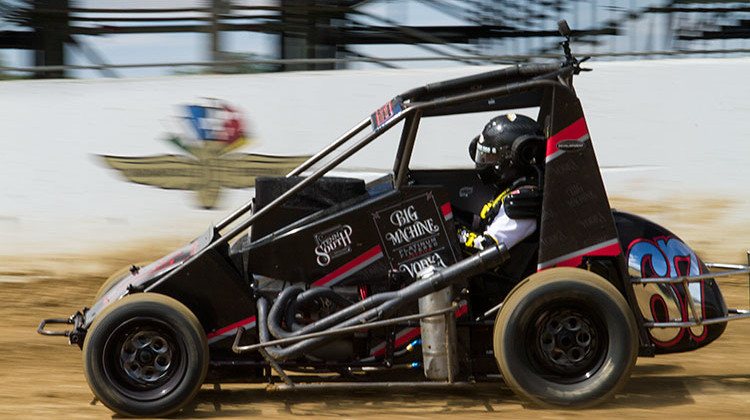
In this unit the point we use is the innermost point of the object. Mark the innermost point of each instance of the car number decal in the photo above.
(385, 113)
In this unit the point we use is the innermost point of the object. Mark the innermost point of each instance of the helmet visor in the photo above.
(482, 157)
(487, 154)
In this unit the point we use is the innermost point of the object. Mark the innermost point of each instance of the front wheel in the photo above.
(145, 355)
(565, 337)
(115, 278)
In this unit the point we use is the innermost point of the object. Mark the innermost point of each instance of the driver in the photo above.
(508, 155)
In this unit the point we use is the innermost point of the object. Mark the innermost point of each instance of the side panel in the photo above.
(653, 251)
(216, 293)
(402, 230)
(576, 219)
(324, 193)
(211, 287)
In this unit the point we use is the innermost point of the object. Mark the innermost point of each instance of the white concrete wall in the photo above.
(661, 128)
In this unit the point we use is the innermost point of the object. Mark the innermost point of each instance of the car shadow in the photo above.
(650, 387)
(342, 402)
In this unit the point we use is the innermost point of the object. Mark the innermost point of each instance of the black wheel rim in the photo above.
(144, 359)
(567, 342)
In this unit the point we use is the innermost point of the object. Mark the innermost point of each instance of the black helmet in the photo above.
(507, 149)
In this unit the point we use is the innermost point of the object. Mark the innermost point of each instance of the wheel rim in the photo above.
(569, 343)
(143, 359)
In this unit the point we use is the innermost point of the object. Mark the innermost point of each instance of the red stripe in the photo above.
(400, 341)
(410, 335)
(404, 339)
(446, 209)
(231, 327)
(607, 251)
(572, 132)
(348, 266)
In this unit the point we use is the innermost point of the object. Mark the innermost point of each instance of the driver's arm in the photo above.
(515, 218)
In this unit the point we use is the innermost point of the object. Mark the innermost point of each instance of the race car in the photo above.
(323, 279)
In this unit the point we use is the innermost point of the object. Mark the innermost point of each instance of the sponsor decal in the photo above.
(409, 227)
(333, 243)
(385, 113)
(570, 145)
(578, 196)
(576, 132)
(415, 268)
(465, 192)
(413, 234)
(175, 258)
(207, 133)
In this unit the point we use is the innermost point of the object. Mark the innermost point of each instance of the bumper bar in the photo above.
(693, 318)
(75, 335)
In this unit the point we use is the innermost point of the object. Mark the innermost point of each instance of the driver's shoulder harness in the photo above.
(522, 200)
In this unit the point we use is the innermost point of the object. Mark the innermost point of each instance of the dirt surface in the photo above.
(42, 377)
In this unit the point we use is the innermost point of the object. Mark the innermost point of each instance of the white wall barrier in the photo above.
(675, 129)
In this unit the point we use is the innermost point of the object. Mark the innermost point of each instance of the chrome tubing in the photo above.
(338, 331)
(484, 260)
(330, 148)
(695, 320)
(360, 144)
(298, 170)
(285, 308)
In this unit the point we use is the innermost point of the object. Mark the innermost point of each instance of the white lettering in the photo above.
(330, 244)
(416, 267)
(403, 216)
(413, 231)
(418, 248)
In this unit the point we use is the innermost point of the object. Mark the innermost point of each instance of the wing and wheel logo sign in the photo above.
(211, 134)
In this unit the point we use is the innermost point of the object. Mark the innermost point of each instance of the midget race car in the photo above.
(323, 279)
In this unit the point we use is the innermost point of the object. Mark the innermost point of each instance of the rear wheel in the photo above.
(145, 355)
(565, 337)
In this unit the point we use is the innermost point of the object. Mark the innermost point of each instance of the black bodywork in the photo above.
(363, 239)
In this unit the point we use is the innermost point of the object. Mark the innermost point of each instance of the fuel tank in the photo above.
(653, 251)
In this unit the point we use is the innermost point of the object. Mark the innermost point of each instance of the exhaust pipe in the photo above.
(380, 305)
(284, 308)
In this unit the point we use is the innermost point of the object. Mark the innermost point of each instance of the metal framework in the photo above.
(734, 314)
(328, 34)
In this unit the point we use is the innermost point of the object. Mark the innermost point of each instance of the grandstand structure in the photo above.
(330, 34)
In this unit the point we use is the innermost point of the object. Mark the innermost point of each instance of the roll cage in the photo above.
(548, 87)
(520, 86)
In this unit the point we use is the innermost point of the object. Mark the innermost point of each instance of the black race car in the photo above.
(339, 280)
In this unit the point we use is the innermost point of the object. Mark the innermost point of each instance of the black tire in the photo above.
(115, 278)
(145, 355)
(565, 337)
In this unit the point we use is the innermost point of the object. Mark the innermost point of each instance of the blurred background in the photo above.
(90, 88)
(126, 38)
(84, 79)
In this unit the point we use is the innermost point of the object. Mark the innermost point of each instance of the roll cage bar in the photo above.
(490, 93)
(520, 86)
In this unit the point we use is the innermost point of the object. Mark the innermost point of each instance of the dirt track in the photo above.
(42, 377)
